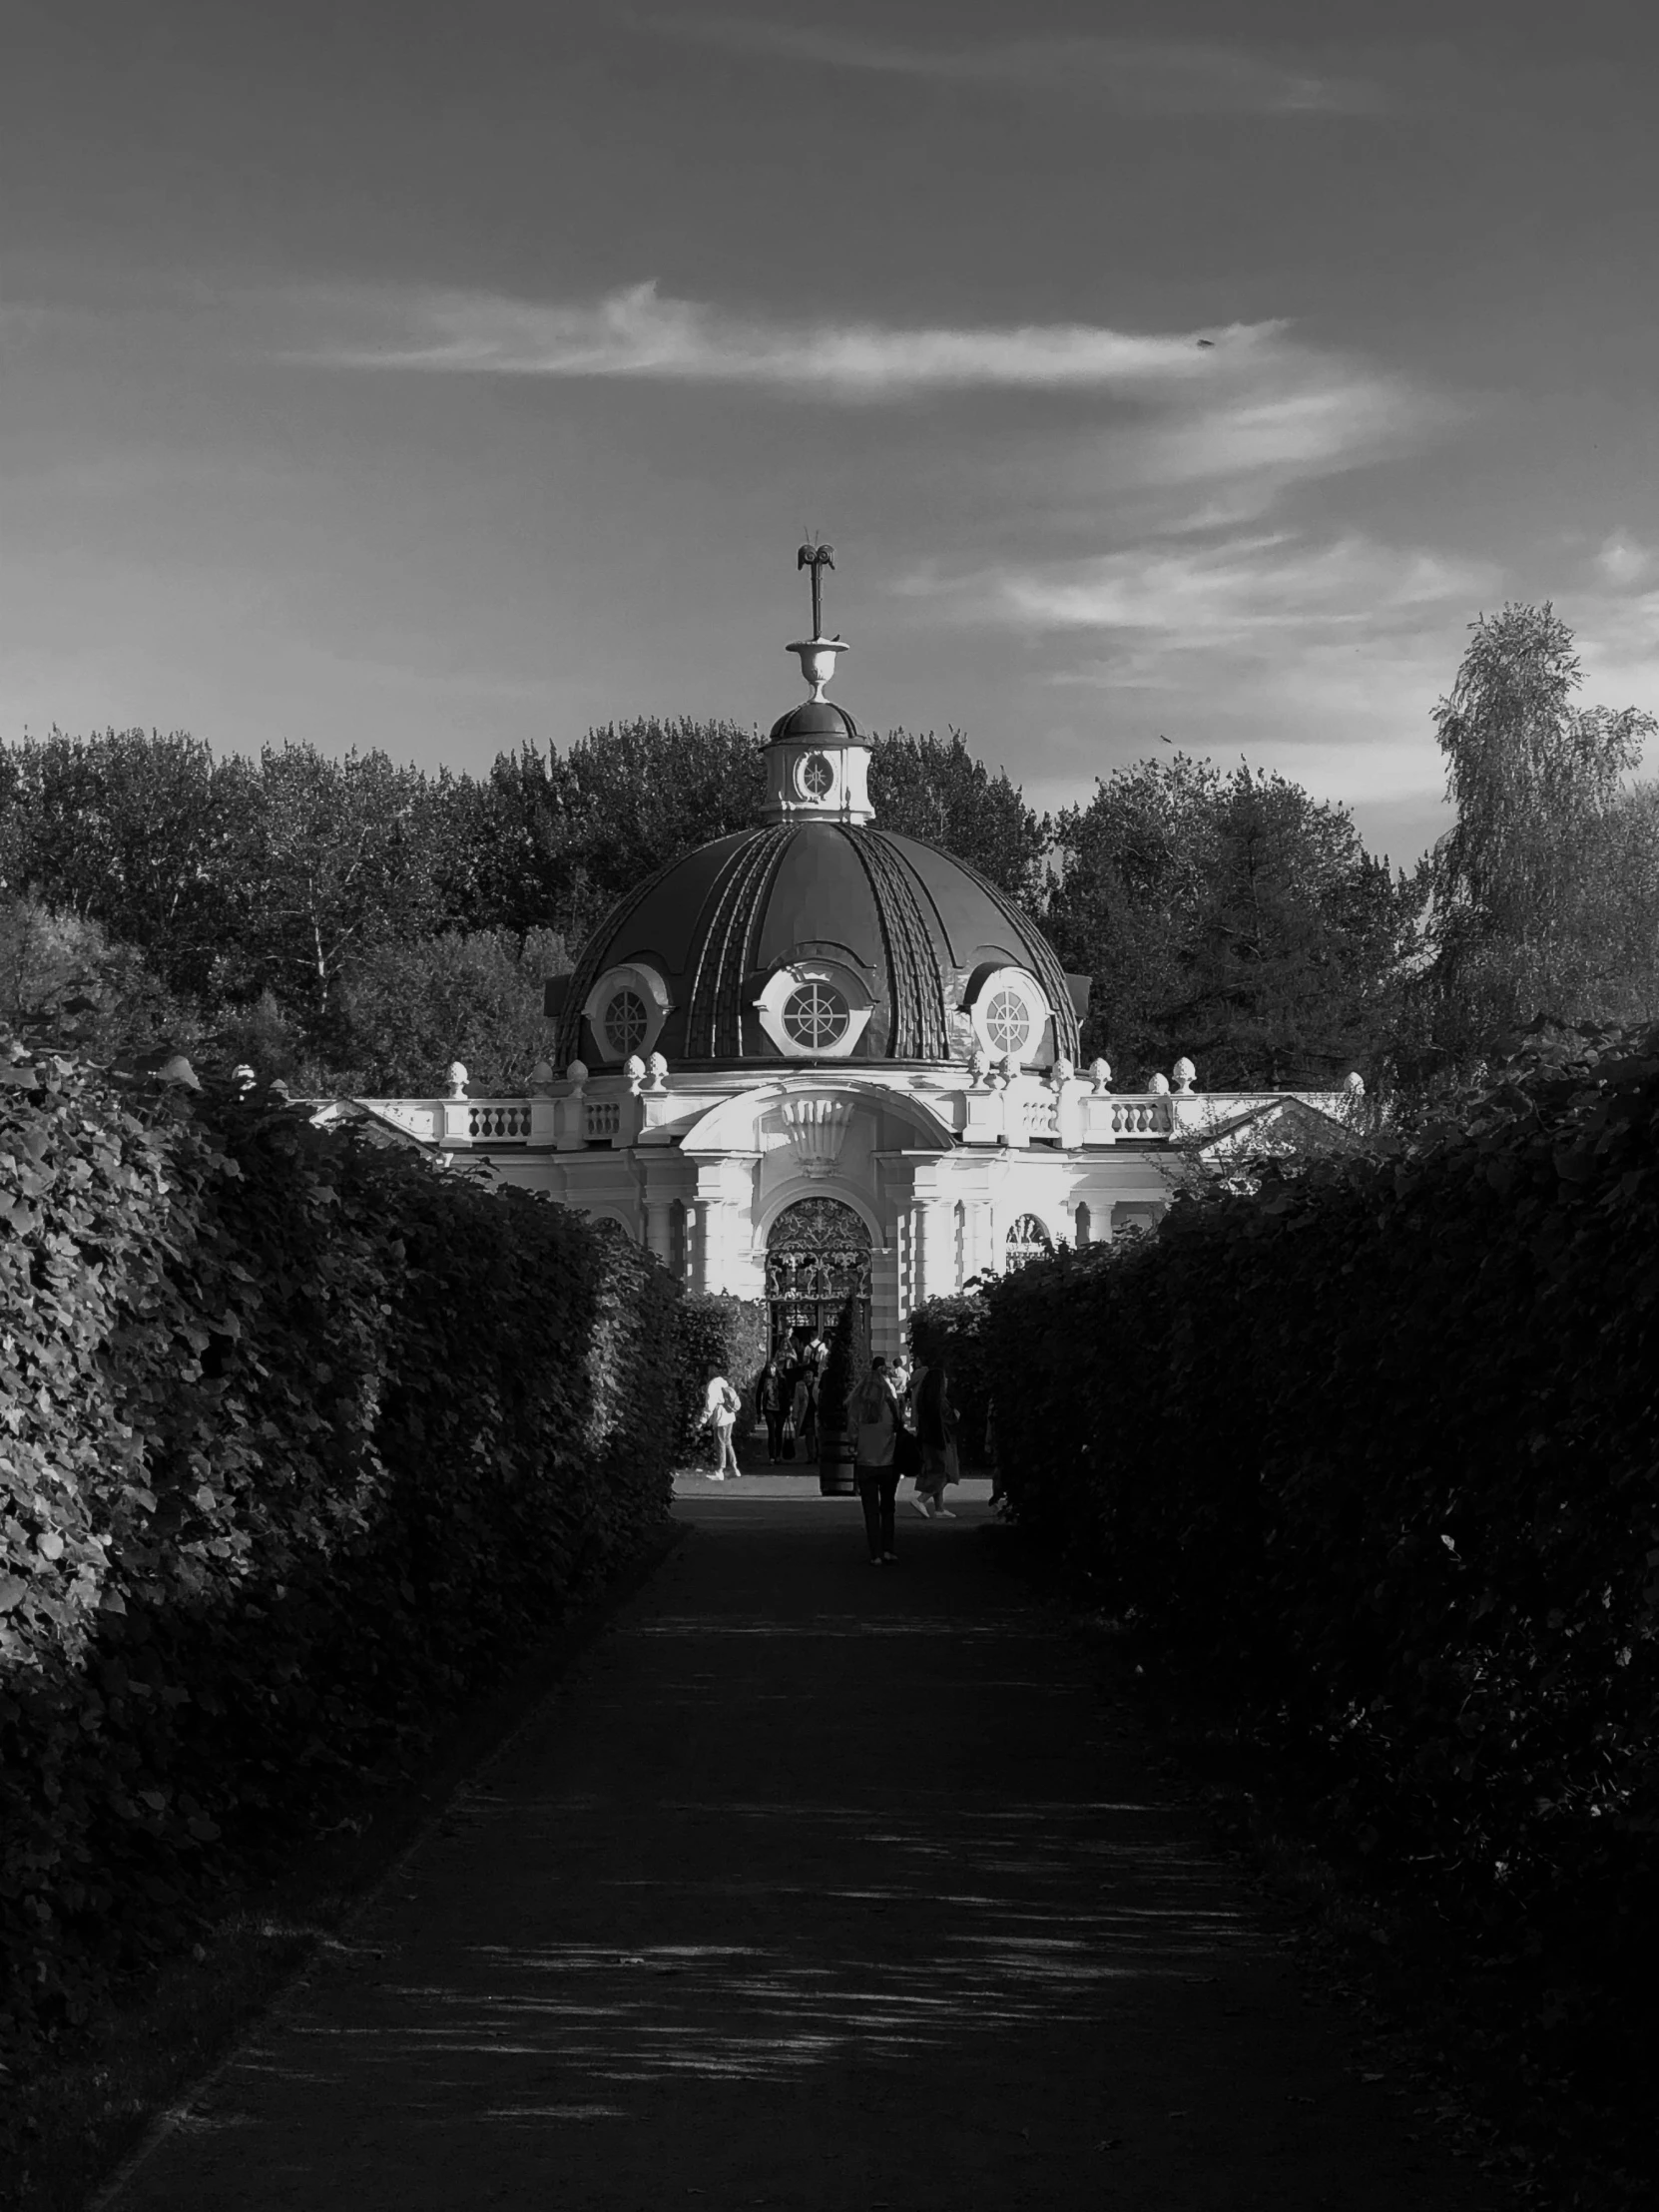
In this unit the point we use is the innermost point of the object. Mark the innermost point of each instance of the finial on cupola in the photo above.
(817, 653)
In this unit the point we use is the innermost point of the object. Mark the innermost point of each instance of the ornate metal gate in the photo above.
(817, 1257)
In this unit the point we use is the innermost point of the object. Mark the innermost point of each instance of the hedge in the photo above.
(302, 1438)
(731, 1334)
(1378, 1445)
(947, 1331)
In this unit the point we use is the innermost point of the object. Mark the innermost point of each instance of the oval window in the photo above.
(818, 778)
(1007, 1024)
(815, 1015)
(626, 1024)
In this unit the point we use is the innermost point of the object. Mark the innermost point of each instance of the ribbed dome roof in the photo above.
(915, 924)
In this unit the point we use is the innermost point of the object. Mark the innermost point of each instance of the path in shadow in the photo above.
(812, 1885)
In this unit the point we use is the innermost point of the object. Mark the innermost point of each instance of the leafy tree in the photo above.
(339, 856)
(552, 839)
(409, 1008)
(1544, 890)
(1231, 917)
(933, 788)
(141, 832)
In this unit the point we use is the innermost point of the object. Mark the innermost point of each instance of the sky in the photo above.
(447, 379)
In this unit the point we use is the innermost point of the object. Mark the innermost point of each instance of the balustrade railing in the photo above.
(509, 1122)
(604, 1119)
(1136, 1117)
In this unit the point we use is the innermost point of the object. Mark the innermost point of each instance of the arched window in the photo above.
(1027, 1239)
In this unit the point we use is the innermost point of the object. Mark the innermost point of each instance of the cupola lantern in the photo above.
(817, 759)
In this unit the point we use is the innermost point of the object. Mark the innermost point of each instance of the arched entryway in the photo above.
(1027, 1239)
(817, 1257)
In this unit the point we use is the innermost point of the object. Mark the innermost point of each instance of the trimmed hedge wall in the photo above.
(727, 1333)
(301, 1438)
(1380, 1445)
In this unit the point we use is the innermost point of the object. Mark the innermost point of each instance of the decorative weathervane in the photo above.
(817, 653)
(818, 558)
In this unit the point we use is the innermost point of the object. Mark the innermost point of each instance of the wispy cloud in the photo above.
(637, 333)
(1243, 594)
(1320, 652)
(1132, 75)
(1623, 561)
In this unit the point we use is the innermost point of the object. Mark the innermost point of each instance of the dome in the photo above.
(816, 940)
(820, 718)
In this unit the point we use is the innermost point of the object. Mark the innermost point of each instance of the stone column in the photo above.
(887, 1313)
(657, 1236)
(697, 1243)
(976, 1237)
(935, 1250)
(726, 1212)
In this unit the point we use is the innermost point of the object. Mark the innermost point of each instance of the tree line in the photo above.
(354, 925)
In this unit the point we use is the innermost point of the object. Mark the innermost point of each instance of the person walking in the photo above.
(720, 1406)
(773, 1397)
(806, 1408)
(936, 1434)
(878, 1476)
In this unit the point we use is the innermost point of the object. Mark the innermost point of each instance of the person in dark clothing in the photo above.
(878, 1425)
(937, 1433)
(772, 1397)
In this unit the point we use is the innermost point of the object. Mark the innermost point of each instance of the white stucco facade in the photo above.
(946, 1170)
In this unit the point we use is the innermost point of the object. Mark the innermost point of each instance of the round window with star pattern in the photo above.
(817, 777)
(816, 1016)
(625, 1023)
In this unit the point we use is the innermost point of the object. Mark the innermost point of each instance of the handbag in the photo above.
(786, 1441)
(907, 1453)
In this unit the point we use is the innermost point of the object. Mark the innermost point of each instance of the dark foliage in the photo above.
(1232, 918)
(934, 789)
(355, 925)
(1377, 1446)
(302, 1438)
(946, 1332)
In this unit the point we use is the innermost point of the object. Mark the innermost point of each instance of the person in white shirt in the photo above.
(720, 1406)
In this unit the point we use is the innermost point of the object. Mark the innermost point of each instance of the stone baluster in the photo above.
(456, 1114)
(570, 1122)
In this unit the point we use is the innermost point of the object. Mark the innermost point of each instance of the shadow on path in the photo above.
(811, 1885)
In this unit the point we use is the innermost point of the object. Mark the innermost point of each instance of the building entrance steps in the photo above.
(812, 1885)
